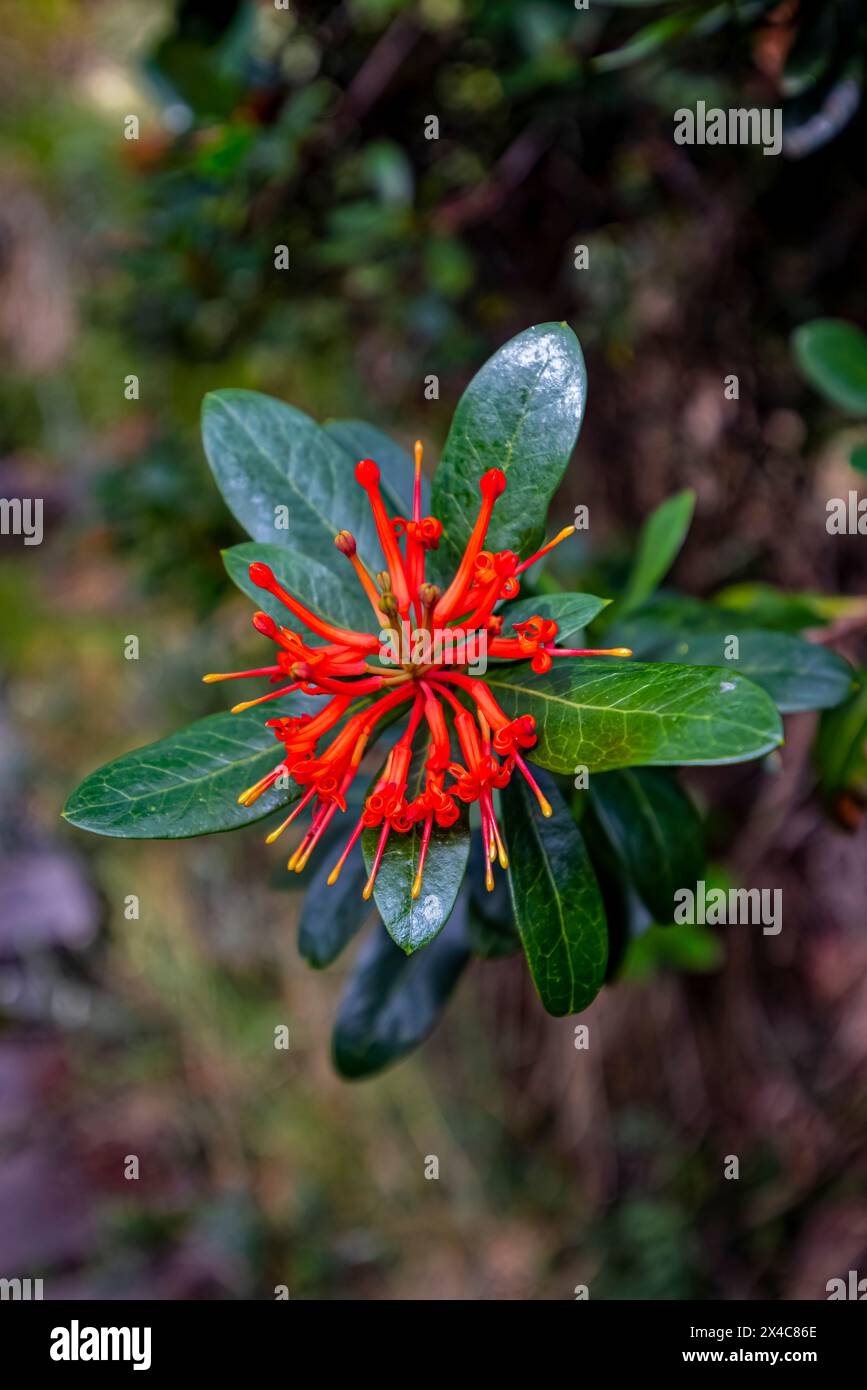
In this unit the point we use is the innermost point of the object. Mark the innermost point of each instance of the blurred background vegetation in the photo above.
(409, 257)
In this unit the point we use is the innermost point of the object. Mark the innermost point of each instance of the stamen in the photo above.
(275, 834)
(590, 651)
(335, 872)
(422, 854)
(495, 832)
(416, 492)
(543, 801)
(561, 536)
(272, 695)
(253, 793)
(239, 675)
(315, 837)
(380, 850)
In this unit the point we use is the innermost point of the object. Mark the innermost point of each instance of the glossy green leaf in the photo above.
(606, 714)
(625, 913)
(396, 466)
(555, 898)
(833, 356)
(331, 915)
(659, 543)
(189, 783)
(655, 829)
(393, 1000)
(338, 599)
(264, 455)
(413, 922)
(572, 613)
(521, 413)
(798, 675)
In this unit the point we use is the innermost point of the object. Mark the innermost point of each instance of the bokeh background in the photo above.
(261, 126)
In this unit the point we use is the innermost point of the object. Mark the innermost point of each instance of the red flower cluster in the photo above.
(323, 758)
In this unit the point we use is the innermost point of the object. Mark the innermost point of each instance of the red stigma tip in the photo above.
(366, 473)
(493, 483)
(261, 575)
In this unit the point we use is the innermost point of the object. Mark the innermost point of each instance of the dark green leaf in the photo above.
(521, 413)
(797, 675)
(413, 922)
(606, 714)
(338, 599)
(762, 605)
(659, 543)
(393, 1000)
(331, 916)
(656, 830)
(396, 466)
(833, 356)
(189, 783)
(556, 899)
(266, 454)
(491, 922)
(841, 746)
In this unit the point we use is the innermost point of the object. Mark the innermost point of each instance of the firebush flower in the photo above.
(473, 748)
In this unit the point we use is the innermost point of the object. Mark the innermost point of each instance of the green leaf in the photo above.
(521, 413)
(396, 466)
(607, 714)
(656, 831)
(338, 599)
(556, 900)
(393, 1000)
(189, 783)
(654, 36)
(265, 454)
(858, 458)
(688, 949)
(763, 605)
(331, 916)
(841, 746)
(659, 543)
(413, 922)
(798, 675)
(572, 613)
(833, 356)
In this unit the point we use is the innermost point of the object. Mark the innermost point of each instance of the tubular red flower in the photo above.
(264, 577)
(367, 474)
(491, 487)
